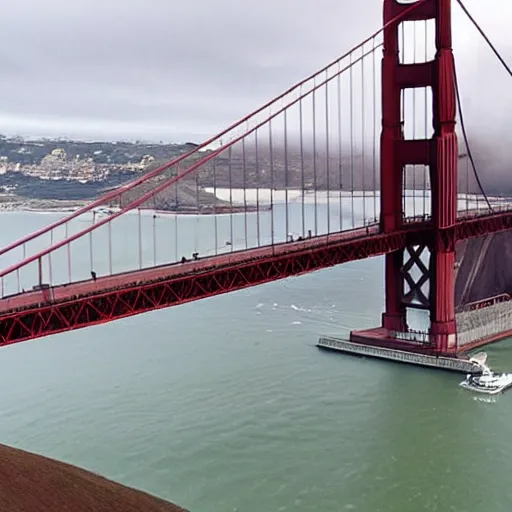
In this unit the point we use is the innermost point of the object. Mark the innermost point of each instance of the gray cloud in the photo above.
(174, 70)
(158, 62)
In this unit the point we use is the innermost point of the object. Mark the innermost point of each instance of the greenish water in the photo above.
(226, 405)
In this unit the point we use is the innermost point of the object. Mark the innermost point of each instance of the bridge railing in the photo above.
(474, 205)
(485, 303)
(412, 336)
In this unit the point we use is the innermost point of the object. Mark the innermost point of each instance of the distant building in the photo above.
(145, 161)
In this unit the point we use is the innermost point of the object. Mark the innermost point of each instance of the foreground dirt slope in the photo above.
(31, 483)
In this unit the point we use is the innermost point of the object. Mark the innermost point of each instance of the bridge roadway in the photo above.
(70, 306)
(69, 291)
(72, 290)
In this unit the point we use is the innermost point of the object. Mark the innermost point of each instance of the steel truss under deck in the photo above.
(34, 322)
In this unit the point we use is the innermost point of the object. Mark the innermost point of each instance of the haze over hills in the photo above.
(43, 173)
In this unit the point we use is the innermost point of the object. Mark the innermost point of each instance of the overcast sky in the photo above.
(182, 69)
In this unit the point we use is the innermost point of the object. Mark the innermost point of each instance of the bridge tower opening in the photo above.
(411, 280)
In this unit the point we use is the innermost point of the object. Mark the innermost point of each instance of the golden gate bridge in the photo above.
(359, 159)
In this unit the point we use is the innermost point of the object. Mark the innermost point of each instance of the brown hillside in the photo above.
(32, 483)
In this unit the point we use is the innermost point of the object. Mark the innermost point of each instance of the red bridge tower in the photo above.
(434, 290)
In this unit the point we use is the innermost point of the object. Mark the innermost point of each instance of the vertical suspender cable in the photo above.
(140, 238)
(414, 23)
(425, 168)
(271, 153)
(230, 176)
(244, 179)
(315, 183)
(301, 142)
(352, 142)
(363, 113)
(327, 155)
(286, 184)
(340, 151)
(258, 185)
(374, 121)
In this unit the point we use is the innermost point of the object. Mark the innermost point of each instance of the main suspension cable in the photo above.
(486, 38)
(507, 69)
(466, 140)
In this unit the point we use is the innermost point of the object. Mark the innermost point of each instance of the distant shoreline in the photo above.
(243, 200)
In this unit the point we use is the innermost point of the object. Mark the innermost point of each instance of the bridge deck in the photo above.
(70, 291)
(466, 227)
(68, 306)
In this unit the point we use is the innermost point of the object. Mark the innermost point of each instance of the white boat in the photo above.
(487, 381)
(101, 210)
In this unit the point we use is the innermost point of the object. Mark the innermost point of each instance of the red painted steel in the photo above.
(66, 307)
(104, 283)
(444, 177)
(391, 215)
(439, 153)
(90, 302)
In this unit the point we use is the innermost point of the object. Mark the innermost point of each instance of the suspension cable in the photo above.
(486, 38)
(466, 140)
(507, 69)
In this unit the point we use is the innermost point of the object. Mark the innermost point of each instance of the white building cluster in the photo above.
(57, 166)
